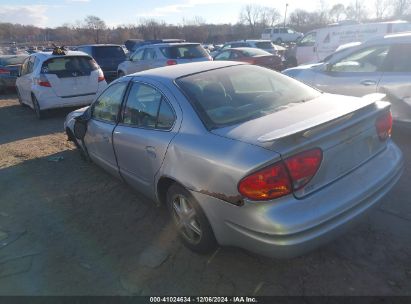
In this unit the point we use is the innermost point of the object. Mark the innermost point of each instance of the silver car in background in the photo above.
(162, 54)
(242, 155)
(379, 65)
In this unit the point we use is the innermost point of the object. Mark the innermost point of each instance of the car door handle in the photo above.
(368, 82)
(151, 151)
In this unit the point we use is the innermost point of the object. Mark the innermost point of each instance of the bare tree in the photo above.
(400, 7)
(96, 25)
(381, 7)
(356, 11)
(337, 12)
(258, 17)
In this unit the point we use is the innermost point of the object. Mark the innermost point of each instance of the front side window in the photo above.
(308, 40)
(364, 61)
(147, 108)
(107, 106)
(240, 93)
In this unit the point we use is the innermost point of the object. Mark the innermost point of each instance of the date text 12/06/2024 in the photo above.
(203, 300)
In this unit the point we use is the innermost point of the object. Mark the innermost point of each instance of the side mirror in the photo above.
(80, 124)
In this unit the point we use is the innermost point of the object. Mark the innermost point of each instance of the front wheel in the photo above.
(192, 224)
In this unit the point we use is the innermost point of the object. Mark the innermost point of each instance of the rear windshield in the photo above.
(115, 52)
(236, 94)
(188, 51)
(264, 45)
(12, 60)
(69, 66)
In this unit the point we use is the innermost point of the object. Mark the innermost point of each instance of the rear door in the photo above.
(395, 81)
(71, 76)
(100, 127)
(357, 74)
(136, 63)
(141, 138)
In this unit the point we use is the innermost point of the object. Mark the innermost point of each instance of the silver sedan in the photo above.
(242, 155)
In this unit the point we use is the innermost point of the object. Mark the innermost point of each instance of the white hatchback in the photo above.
(49, 80)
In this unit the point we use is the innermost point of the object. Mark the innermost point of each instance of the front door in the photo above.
(99, 136)
(357, 74)
(141, 138)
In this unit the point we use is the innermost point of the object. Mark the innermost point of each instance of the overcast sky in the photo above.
(115, 12)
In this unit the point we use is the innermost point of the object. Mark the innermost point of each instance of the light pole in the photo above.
(285, 15)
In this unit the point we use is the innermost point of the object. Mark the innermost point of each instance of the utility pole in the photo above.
(285, 15)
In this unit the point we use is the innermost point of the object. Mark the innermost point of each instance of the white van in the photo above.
(320, 43)
(281, 34)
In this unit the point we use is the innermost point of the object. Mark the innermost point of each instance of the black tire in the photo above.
(19, 98)
(278, 41)
(39, 113)
(203, 242)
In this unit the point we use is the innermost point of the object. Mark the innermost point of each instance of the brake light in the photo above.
(303, 166)
(282, 177)
(100, 76)
(4, 72)
(171, 62)
(383, 124)
(43, 81)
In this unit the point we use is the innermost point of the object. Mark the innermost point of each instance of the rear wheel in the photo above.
(192, 224)
(19, 98)
(36, 107)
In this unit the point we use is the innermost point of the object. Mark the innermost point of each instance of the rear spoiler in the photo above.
(321, 119)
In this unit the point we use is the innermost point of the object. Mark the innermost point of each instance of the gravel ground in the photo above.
(68, 228)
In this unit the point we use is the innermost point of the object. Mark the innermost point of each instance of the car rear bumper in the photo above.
(289, 227)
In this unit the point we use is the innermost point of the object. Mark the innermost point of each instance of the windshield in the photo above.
(236, 94)
(114, 52)
(66, 66)
(12, 60)
(187, 51)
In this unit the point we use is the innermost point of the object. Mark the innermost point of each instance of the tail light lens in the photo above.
(282, 177)
(4, 72)
(100, 76)
(171, 62)
(383, 124)
(43, 81)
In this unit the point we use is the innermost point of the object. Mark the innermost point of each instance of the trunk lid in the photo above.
(343, 127)
(74, 86)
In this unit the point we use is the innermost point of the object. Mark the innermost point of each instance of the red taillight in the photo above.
(4, 72)
(43, 81)
(171, 62)
(269, 183)
(303, 166)
(383, 124)
(283, 177)
(100, 76)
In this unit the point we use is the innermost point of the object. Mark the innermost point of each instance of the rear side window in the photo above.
(109, 52)
(189, 51)
(398, 59)
(147, 108)
(236, 94)
(68, 66)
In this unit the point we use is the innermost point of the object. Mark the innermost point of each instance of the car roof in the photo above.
(47, 55)
(98, 45)
(171, 44)
(180, 70)
(247, 49)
